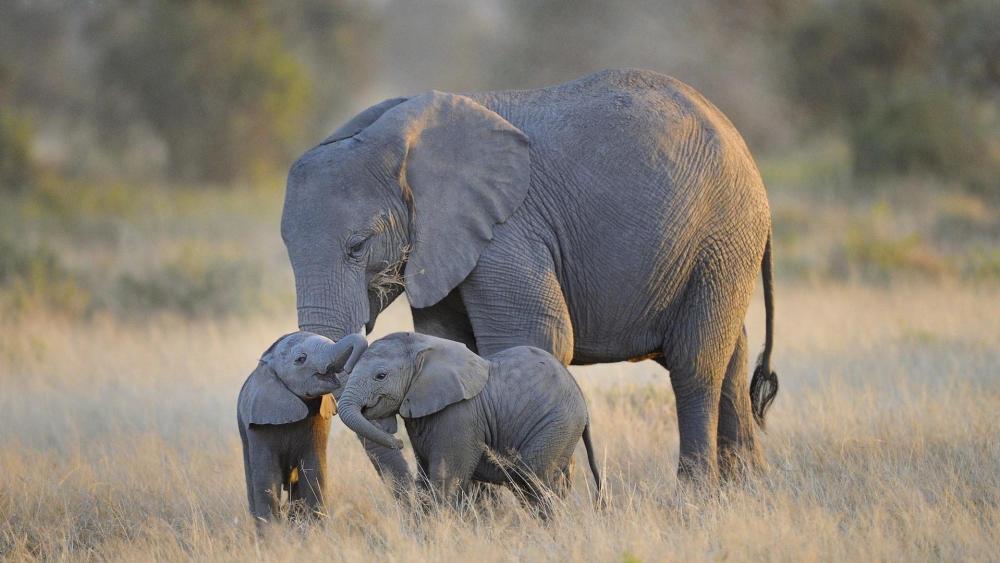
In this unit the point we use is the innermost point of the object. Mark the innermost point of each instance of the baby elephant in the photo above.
(283, 413)
(514, 419)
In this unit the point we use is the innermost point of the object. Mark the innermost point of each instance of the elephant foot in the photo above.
(698, 472)
(737, 465)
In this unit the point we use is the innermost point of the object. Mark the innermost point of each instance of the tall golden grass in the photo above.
(118, 441)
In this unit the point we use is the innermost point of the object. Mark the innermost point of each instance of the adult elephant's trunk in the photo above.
(333, 311)
(349, 408)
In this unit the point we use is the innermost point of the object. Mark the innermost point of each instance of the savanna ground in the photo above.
(131, 320)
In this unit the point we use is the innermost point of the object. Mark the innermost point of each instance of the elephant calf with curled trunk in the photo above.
(513, 419)
(283, 413)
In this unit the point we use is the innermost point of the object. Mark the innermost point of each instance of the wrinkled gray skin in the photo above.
(460, 410)
(283, 413)
(616, 217)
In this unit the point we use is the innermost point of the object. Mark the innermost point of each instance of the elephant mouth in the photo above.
(368, 409)
(373, 407)
(329, 376)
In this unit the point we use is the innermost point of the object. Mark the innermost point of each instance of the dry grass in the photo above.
(119, 442)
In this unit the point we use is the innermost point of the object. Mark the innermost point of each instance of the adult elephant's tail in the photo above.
(764, 385)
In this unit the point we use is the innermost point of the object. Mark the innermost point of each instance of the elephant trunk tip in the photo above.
(395, 444)
(350, 415)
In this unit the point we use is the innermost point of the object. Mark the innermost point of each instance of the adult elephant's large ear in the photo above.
(359, 122)
(466, 169)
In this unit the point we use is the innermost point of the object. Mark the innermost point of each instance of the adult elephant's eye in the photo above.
(300, 360)
(356, 246)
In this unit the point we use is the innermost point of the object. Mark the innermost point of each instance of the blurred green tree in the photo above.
(16, 165)
(971, 44)
(214, 81)
(908, 82)
(333, 39)
(723, 48)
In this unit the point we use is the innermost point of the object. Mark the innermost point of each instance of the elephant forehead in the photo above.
(291, 341)
(330, 168)
(313, 340)
(314, 163)
(380, 356)
(390, 346)
(385, 360)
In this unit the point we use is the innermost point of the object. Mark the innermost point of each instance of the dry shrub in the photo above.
(194, 282)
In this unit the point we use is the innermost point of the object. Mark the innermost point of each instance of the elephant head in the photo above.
(414, 375)
(405, 195)
(298, 366)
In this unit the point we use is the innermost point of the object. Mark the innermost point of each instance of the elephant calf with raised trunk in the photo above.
(283, 413)
(513, 419)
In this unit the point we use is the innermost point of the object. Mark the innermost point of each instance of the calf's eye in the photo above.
(380, 376)
(300, 360)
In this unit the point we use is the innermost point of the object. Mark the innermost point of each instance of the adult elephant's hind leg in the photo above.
(697, 353)
(696, 390)
(738, 448)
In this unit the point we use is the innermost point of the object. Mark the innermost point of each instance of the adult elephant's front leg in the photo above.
(446, 319)
(513, 298)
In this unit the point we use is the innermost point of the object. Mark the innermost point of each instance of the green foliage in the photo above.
(971, 44)
(188, 90)
(35, 278)
(867, 255)
(905, 81)
(842, 52)
(964, 219)
(916, 128)
(194, 283)
(984, 266)
(333, 40)
(214, 81)
(16, 167)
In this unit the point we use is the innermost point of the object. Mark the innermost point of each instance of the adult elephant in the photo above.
(616, 217)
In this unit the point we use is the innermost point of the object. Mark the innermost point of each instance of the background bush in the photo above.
(16, 166)
(143, 143)
(200, 91)
(32, 279)
(193, 91)
(214, 81)
(193, 283)
(911, 84)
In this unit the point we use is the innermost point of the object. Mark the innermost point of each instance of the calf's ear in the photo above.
(445, 373)
(265, 400)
